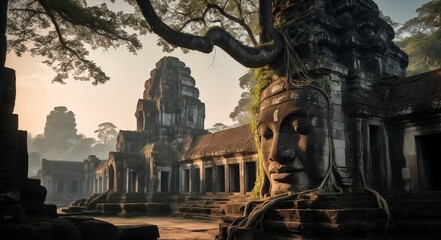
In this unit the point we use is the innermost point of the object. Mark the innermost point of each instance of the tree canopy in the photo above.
(106, 132)
(420, 38)
(213, 19)
(63, 32)
(242, 112)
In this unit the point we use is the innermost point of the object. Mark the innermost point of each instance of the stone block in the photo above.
(52, 211)
(109, 207)
(8, 122)
(145, 231)
(158, 208)
(250, 234)
(339, 143)
(22, 162)
(11, 213)
(65, 230)
(337, 114)
(98, 230)
(33, 192)
(18, 232)
(132, 209)
(405, 174)
(8, 141)
(8, 194)
(338, 125)
(7, 91)
(338, 134)
(340, 157)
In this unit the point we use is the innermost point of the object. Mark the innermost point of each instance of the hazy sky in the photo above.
(216, 76)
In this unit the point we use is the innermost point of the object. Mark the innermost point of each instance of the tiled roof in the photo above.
(58, 166)
(414, 94)
(226, 142)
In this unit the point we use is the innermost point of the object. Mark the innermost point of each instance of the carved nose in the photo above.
(281, 151)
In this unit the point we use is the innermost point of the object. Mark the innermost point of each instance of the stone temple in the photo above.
(380, 133)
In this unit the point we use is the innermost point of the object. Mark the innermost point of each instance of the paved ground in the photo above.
(172, 228)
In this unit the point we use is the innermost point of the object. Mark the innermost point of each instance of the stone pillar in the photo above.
(9, 136)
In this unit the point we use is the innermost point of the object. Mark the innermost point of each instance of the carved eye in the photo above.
(302, 128)
(265, 132)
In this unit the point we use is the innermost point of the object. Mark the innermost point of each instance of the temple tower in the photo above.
(348, 49)
(170, 107)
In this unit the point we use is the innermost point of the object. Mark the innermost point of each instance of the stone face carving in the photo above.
(293, 137)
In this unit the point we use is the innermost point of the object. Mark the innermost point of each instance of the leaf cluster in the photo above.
(63, 32)
(420, 38)
(242, 111)
(239, 18)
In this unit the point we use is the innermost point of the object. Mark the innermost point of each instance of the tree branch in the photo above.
(58, 30)
(245, 55)
(239, 21)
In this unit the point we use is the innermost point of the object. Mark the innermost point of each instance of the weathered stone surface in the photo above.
(7, 91)
(147, 232)
(32, 191)
(97, 230)
(11, 213)
(65, 230)
(9, 195)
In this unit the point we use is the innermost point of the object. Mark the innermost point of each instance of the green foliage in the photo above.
(240, 18)
(263, 77)
(424, 52)
(217, 127)
(242, 112)
(420, 38)
(106, 132)
(62, 31)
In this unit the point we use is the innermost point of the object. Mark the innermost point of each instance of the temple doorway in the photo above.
(429, 162)
(250, 176)
(220, 178)
(208, 179)
(164, 181)
(195, 183)
(234, 177)
(111, 178)
(186, 187)
(377, 169)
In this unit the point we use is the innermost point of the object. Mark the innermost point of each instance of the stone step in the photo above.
(429, 228)
(418, 204)
(206, 202)
(199, 216)
(137, 232)
(330, 204)
(218, 211)
(73, 209)
(327, 215)
(416, 214)
(328, 228)
(128, 208)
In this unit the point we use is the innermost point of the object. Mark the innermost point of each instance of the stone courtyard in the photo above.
(172, 227)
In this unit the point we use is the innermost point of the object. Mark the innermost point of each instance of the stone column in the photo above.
(9, 136)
